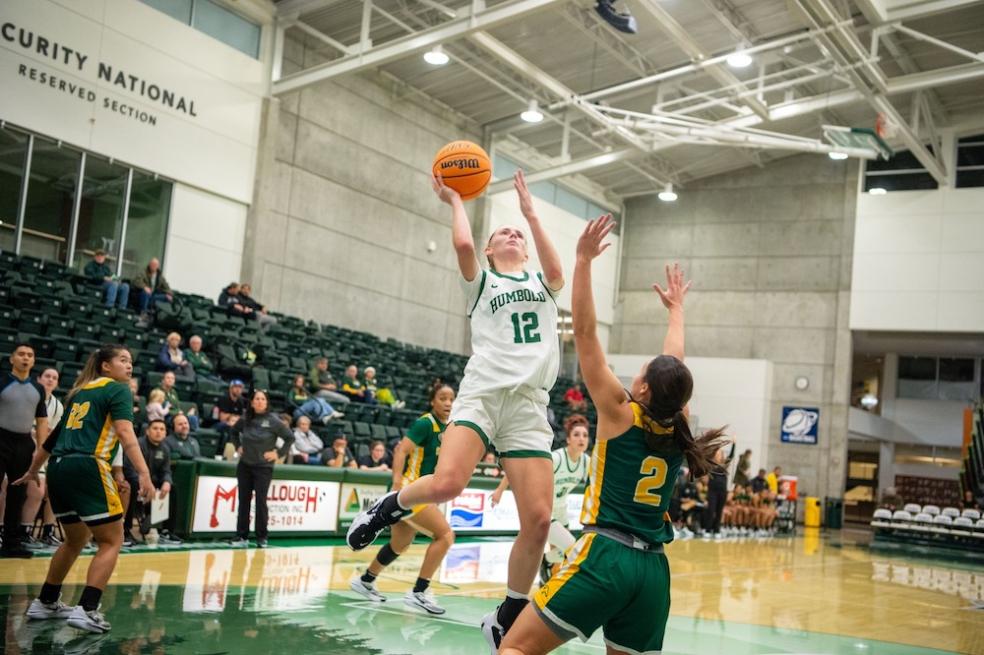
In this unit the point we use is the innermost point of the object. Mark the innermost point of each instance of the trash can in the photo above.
(811, 512)
(834, 513)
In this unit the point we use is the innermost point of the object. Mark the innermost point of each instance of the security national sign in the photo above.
(294, 505)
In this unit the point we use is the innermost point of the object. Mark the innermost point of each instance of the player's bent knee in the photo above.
(447, 487)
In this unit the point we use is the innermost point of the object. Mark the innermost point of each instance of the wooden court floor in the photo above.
(798, 595)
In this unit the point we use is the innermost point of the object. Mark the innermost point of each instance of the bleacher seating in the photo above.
(63, 317)
(930, 525)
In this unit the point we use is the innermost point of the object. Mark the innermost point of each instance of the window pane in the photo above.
(970, 156)
(967, 179)
(900, 182)
(502, 168)
(146, 227)
(177, 9)
(570, 202)
(50, 200)
(917, 368)
(13, 149)
(101, 211)
(543, 191)
(230, 28)
(956, 370)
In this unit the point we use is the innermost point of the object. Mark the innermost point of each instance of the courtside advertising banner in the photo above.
(294, 505)
(472, 511)
(356, 498)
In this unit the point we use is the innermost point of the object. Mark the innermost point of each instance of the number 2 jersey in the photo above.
(87, 425)
(513, 334)
(631, 485)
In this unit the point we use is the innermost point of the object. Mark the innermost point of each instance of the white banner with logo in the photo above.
(472, 512)
(294, 505)
(356, 498)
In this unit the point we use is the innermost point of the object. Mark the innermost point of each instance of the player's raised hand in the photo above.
(675, 291)
(525, 199)
(591, 244)
(443, 191)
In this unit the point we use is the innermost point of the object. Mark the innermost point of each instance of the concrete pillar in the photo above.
(886, 466)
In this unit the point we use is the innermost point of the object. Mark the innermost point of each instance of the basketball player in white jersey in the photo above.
(502, 401)
(570, 468)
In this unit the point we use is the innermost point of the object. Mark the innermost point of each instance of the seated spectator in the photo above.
(181, 442)
(773, 479)
(387, 396)
(369, 381)
(172, 358)
(489, 466)
(158, 459)
(171, 396)
(98, 271)
(969, 501)
(228, 411)
(308, 448)
(759, 482)
(575, 398)
(157, 406)
(322, 384)
(200, 361)
(259, 311)
(303, 403)
(153, 287)
(352, 386)
(377, 459)
(229, 298)
(891, 500)
(138, 417)
(340, 456)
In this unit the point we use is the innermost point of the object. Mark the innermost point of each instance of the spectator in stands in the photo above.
(489, 466)
(260, 439)
(234, 306)
(158, 407)
(158, 458)
(773, 479)
(717, 495)
(575, 398)
(259, 311)
(323, 384)
(181, 442)
(968, 501)
(352, 386)
(891, 499)
(22, 410)
(138, 416)
(230, 409)
(308, 448)
(759, 482)
(377, 459)
(98, 271)
(341, 456)
(386, 395)
(370, 382)
(200, 362)
(172, 358)
(744, 464)
(303, 403)
(153, 286)
(171, 396)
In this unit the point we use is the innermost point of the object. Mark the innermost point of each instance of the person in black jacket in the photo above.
(717, 495)
(260, 439)
(158, 457)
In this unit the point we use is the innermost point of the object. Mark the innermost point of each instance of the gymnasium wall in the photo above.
(343, 215)
(919, 261)
(770, 251)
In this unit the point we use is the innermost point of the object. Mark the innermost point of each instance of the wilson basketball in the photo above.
(465, 167)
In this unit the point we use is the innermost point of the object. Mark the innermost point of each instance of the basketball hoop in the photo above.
(885, 128)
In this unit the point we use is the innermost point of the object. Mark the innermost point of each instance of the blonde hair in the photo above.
(156, 396)
(174, 334)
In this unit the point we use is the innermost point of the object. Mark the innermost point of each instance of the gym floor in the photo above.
(795, 595)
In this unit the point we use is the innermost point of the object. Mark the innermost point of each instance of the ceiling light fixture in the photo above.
(668, 194)
(436, 56)
(739, 59)
(877, 191)
(837, 155)
(532, 113)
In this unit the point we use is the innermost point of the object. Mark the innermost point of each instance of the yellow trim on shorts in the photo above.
(113, 502)
(567, 571)
(592, 495)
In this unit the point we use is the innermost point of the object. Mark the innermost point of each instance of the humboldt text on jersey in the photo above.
(519, 295)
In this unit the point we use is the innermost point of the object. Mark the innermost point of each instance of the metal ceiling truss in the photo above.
(784, 87)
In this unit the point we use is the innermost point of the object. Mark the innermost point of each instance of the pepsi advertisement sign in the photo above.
(800, 425)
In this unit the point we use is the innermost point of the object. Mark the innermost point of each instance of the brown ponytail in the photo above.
(670, 387)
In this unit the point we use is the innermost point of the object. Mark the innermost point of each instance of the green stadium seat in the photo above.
(379, 432)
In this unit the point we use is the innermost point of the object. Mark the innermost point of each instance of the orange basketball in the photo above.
(465, 167)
